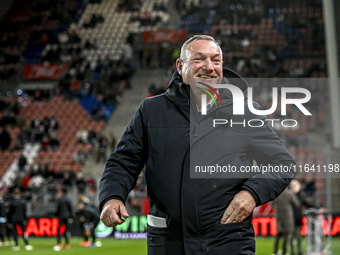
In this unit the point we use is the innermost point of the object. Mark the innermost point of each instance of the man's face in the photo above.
(295, 187)
(203, 61)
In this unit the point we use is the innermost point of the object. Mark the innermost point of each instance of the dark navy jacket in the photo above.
(17, 211)
(164, 134)
(64, 208)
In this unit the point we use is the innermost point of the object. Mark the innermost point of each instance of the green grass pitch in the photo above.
(43, 246)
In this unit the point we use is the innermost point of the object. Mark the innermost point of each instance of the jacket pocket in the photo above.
(237, 230)
(232, 238)
(157, 240)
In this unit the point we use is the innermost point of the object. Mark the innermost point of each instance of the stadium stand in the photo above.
(94, 40)
(85, 41)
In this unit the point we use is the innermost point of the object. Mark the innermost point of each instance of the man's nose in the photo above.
(208, 65)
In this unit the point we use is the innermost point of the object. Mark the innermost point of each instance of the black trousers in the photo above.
(15, 232)
(3, 229)
(67, 233)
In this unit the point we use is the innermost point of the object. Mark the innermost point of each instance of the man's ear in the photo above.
(179, 65)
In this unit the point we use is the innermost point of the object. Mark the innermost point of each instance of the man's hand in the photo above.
(239, 208)
(112, 213)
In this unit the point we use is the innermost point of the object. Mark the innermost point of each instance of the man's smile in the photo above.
(206, 76)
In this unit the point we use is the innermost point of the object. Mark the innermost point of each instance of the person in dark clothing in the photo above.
(17, 217)
(64, 214)
(81, 183)
(8, 119)
(92, 138)
(5, 139)
(304, 203)
(54, 124)
(37, 130)
(89, 219)
(54, 142)
(102, 147)
(7, 227)
(84, 200)
(190, 214)
(284, 206)
(3, 220)
(22, 164)
(46, 124)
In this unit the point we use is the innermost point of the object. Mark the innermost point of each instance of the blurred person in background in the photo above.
(84, 200)
(91, 182)
(89, 219)
(17, 217)
(22, 161)
(304, 203)
(53, 125)
(37, 130)
(64, 214)
(103, 143)
(79, 156)
(113, 141)
(3, 220)
(68, 179)
(45, 143)
(8, 118)
(36, 182)
(5, 139)
(284, 207)
(82, 136)
(8, 232)
(54, 142)
(92, 138)
(81, 183)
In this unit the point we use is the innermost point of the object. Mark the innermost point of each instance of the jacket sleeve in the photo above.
(267, 149)
(125, 163)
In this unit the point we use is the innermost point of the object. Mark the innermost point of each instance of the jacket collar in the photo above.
(177, 91)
